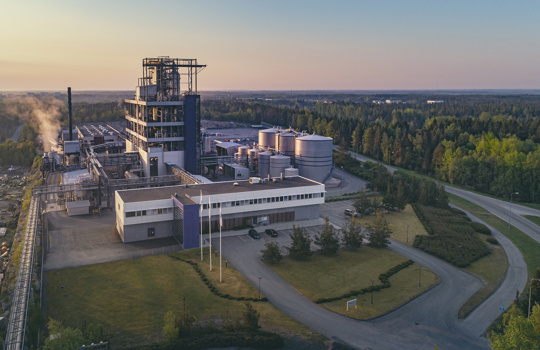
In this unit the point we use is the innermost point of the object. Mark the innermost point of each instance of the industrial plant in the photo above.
(278, 179)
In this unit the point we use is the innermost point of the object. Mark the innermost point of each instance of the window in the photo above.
(151, 232)
(160, 211)
(251, 201)
(311, 195)
(281, 199)
(130, 214)
(290, 198)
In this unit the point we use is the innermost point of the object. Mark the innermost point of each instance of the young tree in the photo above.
(328, 239)
(301, 243)
(272, 253)
(364, 205)
(63, 338)
(379, 232)
(351, 236)
(250, 317)
(170, 329)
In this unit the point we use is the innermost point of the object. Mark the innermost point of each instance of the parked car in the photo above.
(254, 234)
(271, 232)
(349, 212)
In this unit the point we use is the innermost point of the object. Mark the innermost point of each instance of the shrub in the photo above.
(480, 228)
(492, 240)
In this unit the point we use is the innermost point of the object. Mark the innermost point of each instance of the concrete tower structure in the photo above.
(163, 121)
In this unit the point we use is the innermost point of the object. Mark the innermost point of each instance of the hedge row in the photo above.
(211, 286)
(254, 340)
(480, 228)
(452, 236)
(383, 277)
(220, 339)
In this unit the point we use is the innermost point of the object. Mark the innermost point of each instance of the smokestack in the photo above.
(69, 114)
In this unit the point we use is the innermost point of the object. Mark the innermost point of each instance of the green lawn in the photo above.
(325, 277)
(129, 298)
(534, 219)
(398, 222)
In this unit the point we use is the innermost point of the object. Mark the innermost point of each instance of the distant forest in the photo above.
(486, 143)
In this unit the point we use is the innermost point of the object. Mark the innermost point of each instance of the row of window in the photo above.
(130, 214)
(265, 200)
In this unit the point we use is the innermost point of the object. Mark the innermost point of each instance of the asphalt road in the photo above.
(503, 210)
(421, 324)
(17, 133)
(349, 183)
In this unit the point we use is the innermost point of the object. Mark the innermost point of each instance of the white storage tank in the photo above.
(313, 156)
(264, 164)
(285, 143)
(278, 164)
(291, 172)
(267, 138)
(243, 150)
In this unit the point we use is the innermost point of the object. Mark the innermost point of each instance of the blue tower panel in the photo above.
(191, 226)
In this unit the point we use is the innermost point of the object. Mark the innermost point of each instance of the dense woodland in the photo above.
(487, 143)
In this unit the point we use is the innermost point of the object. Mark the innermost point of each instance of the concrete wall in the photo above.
(134, 233)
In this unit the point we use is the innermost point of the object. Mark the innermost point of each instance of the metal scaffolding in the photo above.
(16, 329)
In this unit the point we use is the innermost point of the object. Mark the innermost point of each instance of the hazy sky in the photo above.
(273, 45)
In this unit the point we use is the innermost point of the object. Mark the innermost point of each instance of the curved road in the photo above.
(503, 210)
(426, 322)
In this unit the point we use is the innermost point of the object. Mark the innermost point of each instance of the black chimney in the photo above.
(69, 114)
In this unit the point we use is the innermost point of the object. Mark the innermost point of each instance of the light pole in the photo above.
(509, 215)
(407, 233)
(419, 275)
(260, 278)
(342, 180)
(372, 291)
(530, 290)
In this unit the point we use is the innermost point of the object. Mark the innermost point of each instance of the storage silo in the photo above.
(291, 172)
(264, 164)
(285, 143)
(267, 138)
(313, 155)
(278, 164)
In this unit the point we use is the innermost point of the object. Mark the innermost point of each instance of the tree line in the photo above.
(489, 146)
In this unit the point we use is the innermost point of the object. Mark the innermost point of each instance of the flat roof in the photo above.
(157, 193)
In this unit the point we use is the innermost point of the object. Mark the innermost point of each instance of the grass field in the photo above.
(534, 219)
(129, 298)
(398, 222)
(323, 277)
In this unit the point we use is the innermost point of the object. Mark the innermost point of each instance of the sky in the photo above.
(273, 45)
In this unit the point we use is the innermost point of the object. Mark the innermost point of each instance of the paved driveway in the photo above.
(90, 239)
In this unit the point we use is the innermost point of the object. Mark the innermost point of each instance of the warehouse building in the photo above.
(174, 211)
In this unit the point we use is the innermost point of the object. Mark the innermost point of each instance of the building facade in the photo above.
(177, 211)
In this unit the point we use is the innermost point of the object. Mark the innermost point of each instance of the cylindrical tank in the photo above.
(278, 164)
(267, 138)
(291, 172)
(313, 155)
(254, 153)
(264, 164)
(285, 143)
(243, 150)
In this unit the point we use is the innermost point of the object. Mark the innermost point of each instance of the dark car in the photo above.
(271, 232)
(254, 234)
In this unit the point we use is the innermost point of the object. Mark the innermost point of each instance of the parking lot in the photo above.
(91, 239)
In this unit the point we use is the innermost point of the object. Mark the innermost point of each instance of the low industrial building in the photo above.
(176, 211)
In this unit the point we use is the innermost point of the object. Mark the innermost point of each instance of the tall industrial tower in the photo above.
(163, 121)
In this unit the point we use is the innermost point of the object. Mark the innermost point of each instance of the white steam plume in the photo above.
(45, 112)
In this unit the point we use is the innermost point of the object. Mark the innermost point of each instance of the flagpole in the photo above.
(220, 224)
(200, 216)
(210, 231)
